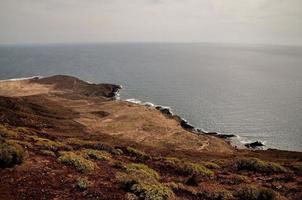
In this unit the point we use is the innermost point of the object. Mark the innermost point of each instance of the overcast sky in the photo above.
(229, 21)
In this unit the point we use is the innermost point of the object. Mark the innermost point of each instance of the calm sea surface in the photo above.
(252, 91)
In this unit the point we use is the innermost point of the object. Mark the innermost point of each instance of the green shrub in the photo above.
(48, 153)
(254, 193)
(10, 154)
(5, 132)
(297, 167)
(152, 191)
(211, 165)
(88, 144)
(187, 168)
(49, 144)
(257, 165)
(22, 130)
(131, 196)
(132, 167)
(119, 165)
(96, 154)
(137, 153)
(118, 152)
(83, 183)
(81, 164)
(24, 144)
(143, 182)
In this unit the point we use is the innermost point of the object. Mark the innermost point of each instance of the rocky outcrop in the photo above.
(75, 85)
(254, 145)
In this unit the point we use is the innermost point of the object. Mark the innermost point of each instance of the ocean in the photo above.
(253, 91)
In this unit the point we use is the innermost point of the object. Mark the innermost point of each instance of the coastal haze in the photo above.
(253, 91)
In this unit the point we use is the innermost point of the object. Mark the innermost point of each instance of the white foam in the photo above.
(149, 104)
(136, 101)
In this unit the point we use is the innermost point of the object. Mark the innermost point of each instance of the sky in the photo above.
(97, 21)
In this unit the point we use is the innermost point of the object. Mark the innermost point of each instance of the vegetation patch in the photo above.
(211, 165)
(91, 145)
(5, 132)
(10, 153)
(143, 182)
(81, 164)
(96, 154)
(297, 167)
(216, 194)
(83, 183)
(48, 153)
(255, 193)
(49, 144)
(257, 165)
(137, 153)
(119, 151)
(187, 168)
(24, 144)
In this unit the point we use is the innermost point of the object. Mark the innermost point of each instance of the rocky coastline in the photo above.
(64, 138)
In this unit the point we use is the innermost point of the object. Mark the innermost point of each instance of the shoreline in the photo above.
(233, 139)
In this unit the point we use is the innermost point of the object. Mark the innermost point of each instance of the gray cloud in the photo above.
(236, 21)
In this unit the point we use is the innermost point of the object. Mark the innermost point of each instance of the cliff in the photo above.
(64, 138)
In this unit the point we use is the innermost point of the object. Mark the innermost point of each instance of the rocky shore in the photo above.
(64, 138)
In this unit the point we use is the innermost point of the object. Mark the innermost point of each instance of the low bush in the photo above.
(137, 153)
(48, 153)
(297, 167)
(81, 164)
(211, 165)
(96, 154)
(152, 191)
(83, 183)
(118, 152)
(7, 133)
(187, 168)
(132, 167)
(10, 154)
(255, 193)
(215, 194)
(257, 165)
(88, 144)
(49, 144)
(24, 144)
(143, 182)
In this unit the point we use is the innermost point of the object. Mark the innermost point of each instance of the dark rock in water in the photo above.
(225, 136)
(186, 125)
(254, 145)
(211, 133)
(165, 110)
(198, 130)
